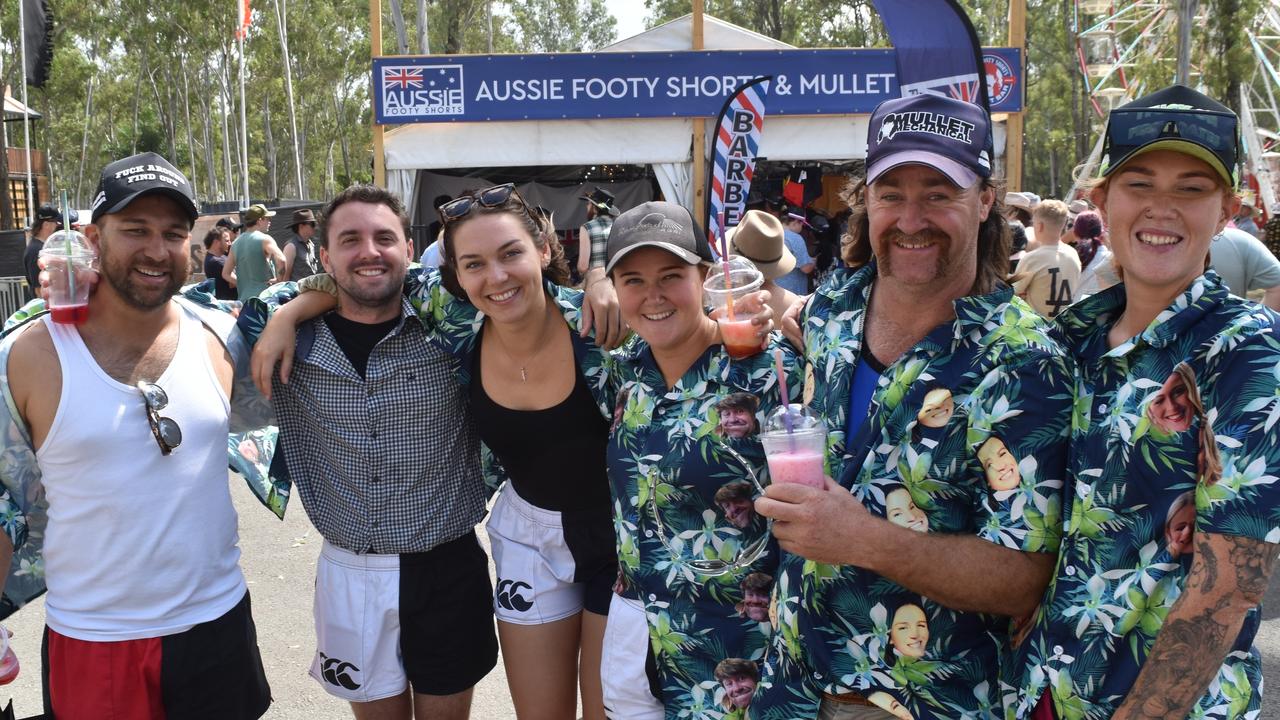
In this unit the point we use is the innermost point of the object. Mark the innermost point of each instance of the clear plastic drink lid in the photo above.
(67, 243)
(793, 418)
(742, 274)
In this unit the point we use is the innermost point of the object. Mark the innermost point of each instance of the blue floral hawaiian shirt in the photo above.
(1173, 433)
(966, 433)
(23, 507)
(681, 461)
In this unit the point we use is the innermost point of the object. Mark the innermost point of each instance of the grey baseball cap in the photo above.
(656, 224)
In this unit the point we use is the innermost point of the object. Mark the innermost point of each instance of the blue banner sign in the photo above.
(477, 88)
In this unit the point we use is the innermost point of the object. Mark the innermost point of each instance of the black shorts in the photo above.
(212, 671)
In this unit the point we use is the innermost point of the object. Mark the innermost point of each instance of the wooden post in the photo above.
(1013, 126)
(699, 208)
(375, 49)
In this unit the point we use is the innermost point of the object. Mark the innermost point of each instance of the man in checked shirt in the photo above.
(376, 433)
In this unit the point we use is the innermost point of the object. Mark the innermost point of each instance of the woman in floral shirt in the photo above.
(1171, 530)
(684, 463)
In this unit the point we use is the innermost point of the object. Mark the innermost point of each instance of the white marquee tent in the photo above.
(663, 143)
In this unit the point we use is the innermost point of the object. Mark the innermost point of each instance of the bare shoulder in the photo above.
(33, 357)
(35, 379)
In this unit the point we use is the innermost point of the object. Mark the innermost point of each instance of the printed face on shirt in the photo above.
(737, 415)
(1000, 465)
(1170, 409)
(738, 690)
(901, 510)
(890, 705)
(735, 502)
(937, 408)
(909, 633)
(755, 605)
(1180, 530)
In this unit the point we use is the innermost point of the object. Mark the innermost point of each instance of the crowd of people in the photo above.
(1051, 457)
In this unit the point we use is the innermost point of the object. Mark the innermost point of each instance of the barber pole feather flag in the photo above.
(733, 159)
(242, 29)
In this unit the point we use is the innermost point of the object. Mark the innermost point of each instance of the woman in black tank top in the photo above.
(535, 411)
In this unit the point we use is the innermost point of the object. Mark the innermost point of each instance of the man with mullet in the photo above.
(113, 439)
(922, 319)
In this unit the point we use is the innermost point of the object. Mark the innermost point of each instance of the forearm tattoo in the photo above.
(1189, 651)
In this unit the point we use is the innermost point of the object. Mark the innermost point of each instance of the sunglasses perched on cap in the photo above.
(748, 552)
(493, 197)
(168, 434)
(1130, 130)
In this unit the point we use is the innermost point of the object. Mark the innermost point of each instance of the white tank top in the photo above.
(138, 544)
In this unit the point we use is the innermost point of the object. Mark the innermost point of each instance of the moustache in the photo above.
(934, 236)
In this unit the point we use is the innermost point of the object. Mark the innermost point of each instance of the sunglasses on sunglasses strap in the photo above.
(166, 431)
(747, 553)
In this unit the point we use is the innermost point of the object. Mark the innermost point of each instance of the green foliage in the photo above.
(563, 25)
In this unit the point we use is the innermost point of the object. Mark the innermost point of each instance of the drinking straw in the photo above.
(66, 243)
(728, 279)
(782, 388)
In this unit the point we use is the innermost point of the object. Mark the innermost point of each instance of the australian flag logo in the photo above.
(415, 91)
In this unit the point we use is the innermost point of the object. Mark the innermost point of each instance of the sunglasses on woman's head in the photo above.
(493, 197)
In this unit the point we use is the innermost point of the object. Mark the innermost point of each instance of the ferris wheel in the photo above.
(1260, 113)
(1112, 36)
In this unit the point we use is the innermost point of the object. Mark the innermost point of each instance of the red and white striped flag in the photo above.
(733, 159)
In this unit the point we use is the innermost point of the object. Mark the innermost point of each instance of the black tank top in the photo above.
(555, 458)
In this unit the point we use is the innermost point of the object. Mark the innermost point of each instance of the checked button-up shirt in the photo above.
(388, 463)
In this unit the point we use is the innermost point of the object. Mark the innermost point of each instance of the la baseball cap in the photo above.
(948, 135)
(1176, 118)
(48, 212)
(656, 224)
(256, 213)
(124, 181)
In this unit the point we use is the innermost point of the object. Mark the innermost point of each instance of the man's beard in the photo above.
(372, 297)
(120, 276)
(884, 266)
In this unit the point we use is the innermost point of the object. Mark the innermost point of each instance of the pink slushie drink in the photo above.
(795, 443)
(739, 338)
(802, 466)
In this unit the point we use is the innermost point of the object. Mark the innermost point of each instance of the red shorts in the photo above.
(211, 671)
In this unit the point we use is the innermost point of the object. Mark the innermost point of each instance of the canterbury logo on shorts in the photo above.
(338, 672)
(509, 597)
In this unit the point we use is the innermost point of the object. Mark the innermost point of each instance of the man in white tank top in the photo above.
(126, 416)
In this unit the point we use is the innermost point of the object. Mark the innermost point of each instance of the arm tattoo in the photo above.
(1181, 665)
(1204, 568)
(1253, 561)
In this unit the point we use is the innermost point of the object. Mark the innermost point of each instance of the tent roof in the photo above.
(14, 109)
(677, 35)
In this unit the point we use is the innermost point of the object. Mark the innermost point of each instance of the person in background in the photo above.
(47, 221)
(1246, 265)
(300, 258)
(796, 281)
(759, 238)
(217, 243)
(1048, 275)
(255, 261)
(594, 234)
(1097, 272)
(1244, 218)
